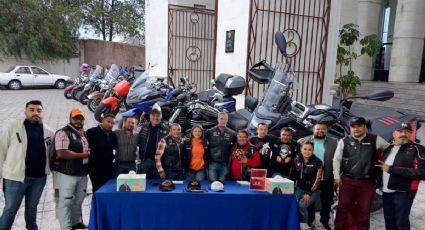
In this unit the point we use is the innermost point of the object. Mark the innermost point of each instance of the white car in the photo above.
(21, 76)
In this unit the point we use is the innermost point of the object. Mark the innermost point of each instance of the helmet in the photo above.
(84, 67)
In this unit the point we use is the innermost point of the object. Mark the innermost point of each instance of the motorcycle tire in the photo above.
(76, 92)
(84, 96)
(103, 109)
(67, 94)
(93, 103)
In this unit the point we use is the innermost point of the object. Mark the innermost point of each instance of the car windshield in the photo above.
(10, 69)
(278, 90)
(141, 87)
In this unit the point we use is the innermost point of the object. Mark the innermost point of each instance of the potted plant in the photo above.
(347, 81)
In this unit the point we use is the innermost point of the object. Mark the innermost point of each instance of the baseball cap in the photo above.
(403, 125)
(156, 109)
(167, 185)
(217, 186)
(194, 186)
(77, 112)
(357, 121)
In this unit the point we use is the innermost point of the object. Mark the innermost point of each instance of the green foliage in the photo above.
(349, 35)
(41, 29)
(115, 17)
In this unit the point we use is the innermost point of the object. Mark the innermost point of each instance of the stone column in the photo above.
(408, 42)
(369, 14)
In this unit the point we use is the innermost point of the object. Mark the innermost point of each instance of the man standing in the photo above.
(265, 144)
(220, 141)
(70, 162)
(149, 136)
(403, 167)
(287, 150)
(24, 164)
(324, 149)
(102, 142)
(168, 157)
(126, 149)
(355, 173)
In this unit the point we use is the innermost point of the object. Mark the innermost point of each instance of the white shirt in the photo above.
(389, 161)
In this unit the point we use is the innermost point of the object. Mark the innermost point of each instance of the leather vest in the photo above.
(359, 159)
(73, 167)
(172, 159)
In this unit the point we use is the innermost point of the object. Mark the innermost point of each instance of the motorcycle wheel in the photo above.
(67, 94)
(103, 109)
(93, 103)
(84, 97)
(76, 92)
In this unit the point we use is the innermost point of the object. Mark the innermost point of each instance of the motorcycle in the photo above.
(204, 110)
(147, 90)
(76, 92)
(67, 93)
(106, 87)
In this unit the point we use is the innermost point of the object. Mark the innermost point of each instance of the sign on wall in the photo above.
(230, 41)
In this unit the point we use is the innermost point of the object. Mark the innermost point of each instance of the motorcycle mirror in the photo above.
(281, 43)
(380, 95)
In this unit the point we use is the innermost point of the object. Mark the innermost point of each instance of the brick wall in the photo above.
(106, 53)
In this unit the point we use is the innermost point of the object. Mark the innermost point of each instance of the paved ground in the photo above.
(57, 110)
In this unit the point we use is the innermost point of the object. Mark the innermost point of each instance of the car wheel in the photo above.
(60, 84)
(14, 85)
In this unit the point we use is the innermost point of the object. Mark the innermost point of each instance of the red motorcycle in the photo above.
(113, 103)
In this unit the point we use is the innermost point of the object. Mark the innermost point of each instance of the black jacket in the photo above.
(330, 147)
(219, 144)
(307, 176)
(144, 137)
(408, 167)
(102, 144)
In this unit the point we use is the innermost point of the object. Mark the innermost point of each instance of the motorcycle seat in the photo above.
(239, 119)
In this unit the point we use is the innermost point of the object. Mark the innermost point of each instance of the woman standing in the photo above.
(244, 157)
(194, 149)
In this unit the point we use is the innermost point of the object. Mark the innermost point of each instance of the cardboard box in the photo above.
(131, 182)
(279, 186)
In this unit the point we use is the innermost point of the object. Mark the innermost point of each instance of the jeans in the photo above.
(148, 166)
(72, 191)
(397, 207)
(302, 206)
(355, 195)
(326, 198)
(174, 174)
(217, 171)
(124, 167)
(196, 175)
(14, 192)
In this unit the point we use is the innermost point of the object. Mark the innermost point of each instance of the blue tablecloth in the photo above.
(235, 208)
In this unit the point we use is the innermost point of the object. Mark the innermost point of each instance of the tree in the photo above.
(346, 55)
(41, 29)
(115, 17)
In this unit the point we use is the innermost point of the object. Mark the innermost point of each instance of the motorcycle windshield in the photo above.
(277, 94)
(113, 73)
(141, 88)
(97, 72)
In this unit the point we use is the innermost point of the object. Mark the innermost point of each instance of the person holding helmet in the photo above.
(149, 136)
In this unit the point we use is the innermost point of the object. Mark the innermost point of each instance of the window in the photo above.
(36, 70)
(24, 70)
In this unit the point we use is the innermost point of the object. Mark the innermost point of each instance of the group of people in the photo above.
(29, 150)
